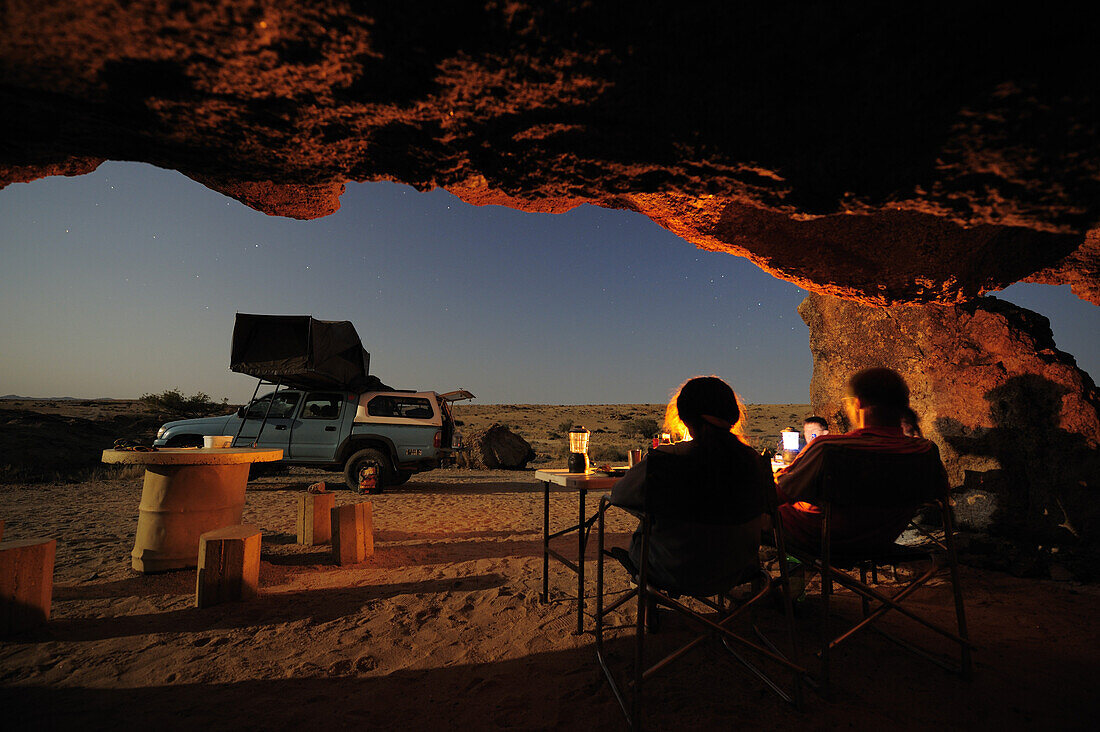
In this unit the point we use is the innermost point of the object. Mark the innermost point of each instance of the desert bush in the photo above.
(565, 426)
(607, 453)
(68, 473)
(644, 427)
(174, 403)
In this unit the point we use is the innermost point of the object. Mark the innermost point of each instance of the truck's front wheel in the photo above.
(357, 470)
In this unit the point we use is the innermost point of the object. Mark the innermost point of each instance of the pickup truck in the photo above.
(397, 433)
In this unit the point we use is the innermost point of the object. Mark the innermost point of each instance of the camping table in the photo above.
(187, 491)
(581, 483)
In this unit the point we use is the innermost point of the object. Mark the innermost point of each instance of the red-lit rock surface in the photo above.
(1080, 270)
(910, 152)
(1017, 423)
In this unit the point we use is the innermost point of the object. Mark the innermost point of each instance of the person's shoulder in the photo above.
(863, 436)
(821, 442)
(746, 460)
(836, 437)
(925, 445)
(883, 440)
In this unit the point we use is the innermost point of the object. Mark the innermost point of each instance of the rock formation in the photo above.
(1017, 423)
(884, 153)
(496, 447)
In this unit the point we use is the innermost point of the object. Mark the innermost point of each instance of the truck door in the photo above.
(316, 432)
(277, 429)
(445, 402)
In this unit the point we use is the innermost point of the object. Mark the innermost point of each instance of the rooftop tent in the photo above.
(302, 352)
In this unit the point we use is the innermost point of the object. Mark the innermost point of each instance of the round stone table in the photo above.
(187, 492)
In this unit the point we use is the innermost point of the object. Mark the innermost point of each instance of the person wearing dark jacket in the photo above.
(708, 497)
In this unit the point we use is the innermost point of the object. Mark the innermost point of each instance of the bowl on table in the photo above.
(217, 441)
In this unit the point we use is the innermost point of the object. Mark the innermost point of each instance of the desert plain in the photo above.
(443, 628)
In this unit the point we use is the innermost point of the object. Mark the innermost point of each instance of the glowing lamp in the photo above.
(790, 440)
(578, 450)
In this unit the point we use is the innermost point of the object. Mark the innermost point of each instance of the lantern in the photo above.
(789, 443)
(578, 450)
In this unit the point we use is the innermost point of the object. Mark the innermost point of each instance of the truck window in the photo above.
(322, 406)
(400, 406)
(282, 406)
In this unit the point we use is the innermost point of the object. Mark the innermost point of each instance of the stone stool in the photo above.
(352, 533)
(229, 565)
(26, 583)
(315, 518)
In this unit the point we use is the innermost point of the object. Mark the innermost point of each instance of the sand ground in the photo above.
(443, 629)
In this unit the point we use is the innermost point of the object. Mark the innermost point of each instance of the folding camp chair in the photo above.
(669, 492)
(853, 477)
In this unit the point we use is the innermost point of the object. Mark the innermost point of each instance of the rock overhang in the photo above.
(918, 153)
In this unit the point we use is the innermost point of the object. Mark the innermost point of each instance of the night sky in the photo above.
(126, 281)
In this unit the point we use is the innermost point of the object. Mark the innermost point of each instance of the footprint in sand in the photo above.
(428, 612)
(340, 668)
(304, 670)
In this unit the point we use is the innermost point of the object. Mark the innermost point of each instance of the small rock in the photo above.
(496, 447)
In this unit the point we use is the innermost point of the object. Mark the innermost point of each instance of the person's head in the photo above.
(705, 403)
(876, 398)
(814, 427)
(910, 423)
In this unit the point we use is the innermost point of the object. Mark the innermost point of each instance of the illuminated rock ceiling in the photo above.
(881, 153)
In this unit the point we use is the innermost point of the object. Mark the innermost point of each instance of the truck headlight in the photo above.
(161, 431)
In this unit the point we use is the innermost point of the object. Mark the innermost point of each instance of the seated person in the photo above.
(813, 427)
(705, 511)
(876, 400)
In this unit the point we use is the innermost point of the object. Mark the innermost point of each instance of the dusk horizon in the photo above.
(593, 306)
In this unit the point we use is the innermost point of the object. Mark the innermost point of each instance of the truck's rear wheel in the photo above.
(360, 461)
